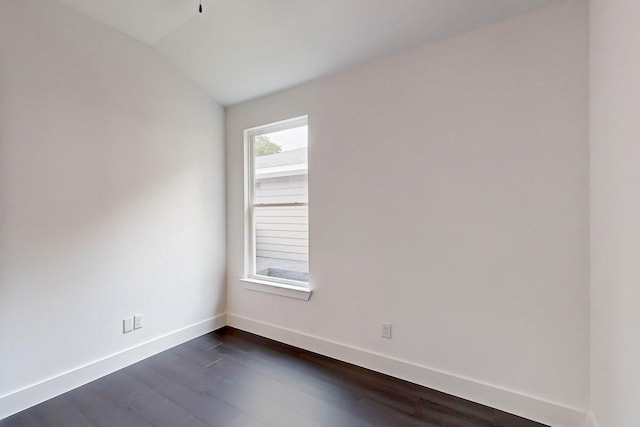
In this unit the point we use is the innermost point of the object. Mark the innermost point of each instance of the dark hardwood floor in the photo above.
(230, 378)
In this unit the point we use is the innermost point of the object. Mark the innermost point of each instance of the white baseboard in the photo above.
(550, 413)
(39, 392)
(556, 415)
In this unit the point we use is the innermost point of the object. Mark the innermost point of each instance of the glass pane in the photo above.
(281, 232)
(281, 167)
(282, 242)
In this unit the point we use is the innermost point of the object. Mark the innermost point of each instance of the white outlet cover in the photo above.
(127, 325)
(137, 321)
(386, 330)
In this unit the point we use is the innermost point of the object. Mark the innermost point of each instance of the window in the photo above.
(277, 212)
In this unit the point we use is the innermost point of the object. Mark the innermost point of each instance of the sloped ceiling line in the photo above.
(243, 49)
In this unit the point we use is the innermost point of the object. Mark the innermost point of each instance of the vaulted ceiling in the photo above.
(242, 49)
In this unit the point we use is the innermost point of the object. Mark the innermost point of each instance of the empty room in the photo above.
(339, 213)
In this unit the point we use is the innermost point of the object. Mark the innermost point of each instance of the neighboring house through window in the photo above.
(277, 222)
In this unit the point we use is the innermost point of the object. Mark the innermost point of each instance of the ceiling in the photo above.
(242, 49)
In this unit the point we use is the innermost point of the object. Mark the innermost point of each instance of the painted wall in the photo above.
(615, 212)
(479, 144)
(111, 194)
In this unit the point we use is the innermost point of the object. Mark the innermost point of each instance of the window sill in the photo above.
(277, 289)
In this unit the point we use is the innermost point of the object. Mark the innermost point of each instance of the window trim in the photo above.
(275, 288)
(279, 286)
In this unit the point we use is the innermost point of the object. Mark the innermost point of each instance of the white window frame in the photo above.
(274, 285)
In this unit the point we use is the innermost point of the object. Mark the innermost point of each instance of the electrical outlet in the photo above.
(386, 330)
(127, 325)
(137, 321)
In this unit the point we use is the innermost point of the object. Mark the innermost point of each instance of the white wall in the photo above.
(479, 145)
(615, 212)
(111, 194)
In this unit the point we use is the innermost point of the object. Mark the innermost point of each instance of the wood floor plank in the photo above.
(257, 405)
(287, 396)
(330, 388)
(398, 394)
(102, 411)
(246, 421)
(231, 378)
(208, 408)
(55, 412)
(146, 402)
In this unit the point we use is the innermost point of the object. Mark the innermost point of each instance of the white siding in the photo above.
(282, 232)
(286, 189)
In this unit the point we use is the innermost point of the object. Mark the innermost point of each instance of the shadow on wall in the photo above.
(96, 205)
(67, 181)
(111, 193)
